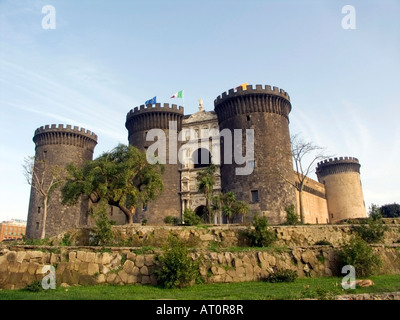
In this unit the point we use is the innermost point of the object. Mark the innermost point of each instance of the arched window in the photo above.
(201, 158)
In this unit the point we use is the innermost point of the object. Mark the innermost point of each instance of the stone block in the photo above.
(101, 278)
(146, 280)
(139, 262)
(153, 279)
(131, 256)
(83, 268)
(149, 260)
(72, 256)
(20, 256)
(11, 256)
(92, 268)
(90, 257)
(24, 267)
(13, 267)
(131, 279)
(105, 258)
(124, 276)
(128, 266)
(144, 271)
(81, 256)
(111, 277)
(33, 266)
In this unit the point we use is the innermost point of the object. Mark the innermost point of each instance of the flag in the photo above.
(178, 95)
(243, 85)
(151, 101)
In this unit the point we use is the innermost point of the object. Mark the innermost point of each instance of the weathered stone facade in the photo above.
(167, 119)
(56, 147)
(21, 265)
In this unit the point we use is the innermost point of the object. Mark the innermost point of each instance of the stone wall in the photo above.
(21, 265)
(229, 235)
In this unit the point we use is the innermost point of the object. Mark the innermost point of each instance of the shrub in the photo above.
(359, 254)
(103, 234)
(284, 275)
(261, 236)
(177, 269)
(292, 217)
(35, 286)
(172, 220)
(191, 218)
(372, 230)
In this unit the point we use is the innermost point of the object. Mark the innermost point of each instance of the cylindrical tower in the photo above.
(168, 120)
(341, 177)
(57, 146)
(266, 111)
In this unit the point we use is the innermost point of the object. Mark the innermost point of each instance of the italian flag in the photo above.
(178, 94)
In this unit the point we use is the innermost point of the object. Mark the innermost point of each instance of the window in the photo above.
(248, 118)
(38, 209)
(37, 225)
(144, 207)
(254, 196)
(331, 215)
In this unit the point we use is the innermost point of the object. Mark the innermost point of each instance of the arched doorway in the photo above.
(201, 158)
(202, 212)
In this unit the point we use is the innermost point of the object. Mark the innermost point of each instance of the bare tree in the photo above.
(43, 179)
(305, 155)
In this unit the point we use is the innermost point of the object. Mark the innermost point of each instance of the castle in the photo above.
(253, 117)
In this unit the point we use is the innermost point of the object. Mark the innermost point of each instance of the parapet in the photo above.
(66, 128)
(65, 134)
(157, 108)
(259, 89)
(337, 165)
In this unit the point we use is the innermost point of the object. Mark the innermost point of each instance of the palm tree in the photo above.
(205, 184)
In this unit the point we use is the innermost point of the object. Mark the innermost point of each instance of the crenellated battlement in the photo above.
(258, 89)
(260, 99)
(153, 117)
(65, 134)
(337, 165)
(166, 107)
(66, 128)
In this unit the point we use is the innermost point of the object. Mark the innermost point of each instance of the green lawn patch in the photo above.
(314, 288)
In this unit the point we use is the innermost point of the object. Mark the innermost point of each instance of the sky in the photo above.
(103, 58)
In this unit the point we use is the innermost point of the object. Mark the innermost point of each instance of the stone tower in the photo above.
(341, 177)
(57, 146)
(266, 111)
(168, 120)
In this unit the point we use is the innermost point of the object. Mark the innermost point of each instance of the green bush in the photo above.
(261, 236)
(176, 268)
(372, 230)
(359, 254)
(292, 217)
(103, 234)
(284, 275)
(191, 218)
(35, 286)
(172, 220)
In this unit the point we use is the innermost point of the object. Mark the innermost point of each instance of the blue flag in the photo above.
(151, 101)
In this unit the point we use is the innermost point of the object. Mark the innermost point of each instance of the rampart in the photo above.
(69, 135)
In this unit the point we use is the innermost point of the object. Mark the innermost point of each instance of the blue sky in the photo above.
(106, 57)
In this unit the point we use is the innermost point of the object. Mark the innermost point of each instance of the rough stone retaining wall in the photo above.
(229, 235)
(21, 265)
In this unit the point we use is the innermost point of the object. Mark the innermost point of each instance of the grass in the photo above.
(316, 288)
